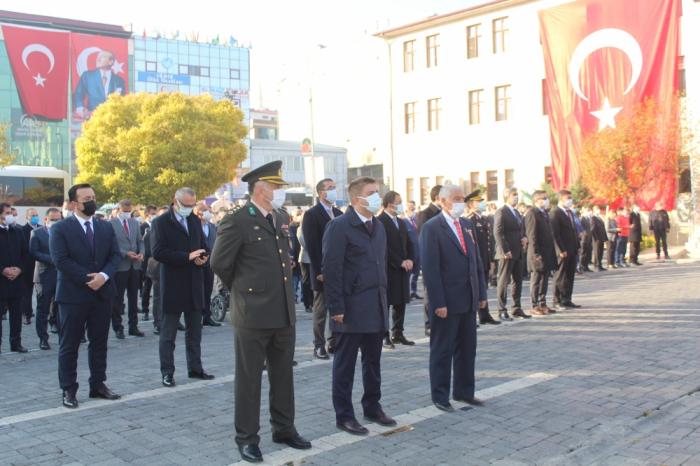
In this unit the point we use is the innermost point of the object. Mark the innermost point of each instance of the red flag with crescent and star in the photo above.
(40, 63)
(601, 58)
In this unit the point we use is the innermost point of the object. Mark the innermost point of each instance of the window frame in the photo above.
(504, 33)
(412, 117)
(237, 74)
(185, 67)
(507, 102)
(490, 183)
(435, 111)
(548, 175)
(409, 55)
(202, 72)
(425, 190)
(476, 38)
(510, 181)
(410, 189)
(472, 183)
(434, 49)
(479, 93)
(152, 66)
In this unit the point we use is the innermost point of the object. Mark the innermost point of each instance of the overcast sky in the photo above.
(281, 31)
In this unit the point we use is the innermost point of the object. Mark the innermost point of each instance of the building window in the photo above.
(204, 71)
(510, 178)
(504, 104)
(476, 99)
(432, 50)
(500, 35)
(329, 164)
(681, 74)
(234, 74)
(183, 69)
(545, 97)
(410, 117)
(548, 175)
(425, 191)
(440, 180)
(410, 194)
(151, 66)
(492, 178)
(409, 53)
(434, 114)
(474, 180)
(473, 41)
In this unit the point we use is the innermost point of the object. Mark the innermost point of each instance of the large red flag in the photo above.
(602, 57)
(40, 62)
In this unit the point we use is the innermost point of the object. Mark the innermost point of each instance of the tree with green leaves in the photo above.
(6, 156)
(145, 146)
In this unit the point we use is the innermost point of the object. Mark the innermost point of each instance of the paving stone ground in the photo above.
(622, 388)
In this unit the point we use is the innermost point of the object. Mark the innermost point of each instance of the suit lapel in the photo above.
(82, 235)
(261, 220)
(174, 219)
(450, 233)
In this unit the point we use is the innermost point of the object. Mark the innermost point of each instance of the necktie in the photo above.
(330, 213)
(104, 80)
(269, 219)
(90, 234)
(571, 217)
(182, 222)
(396, 222)
(461, 237)
(369, 226)
(126, 228)
(413, 222)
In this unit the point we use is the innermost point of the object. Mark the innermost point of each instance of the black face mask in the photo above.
(89, 208)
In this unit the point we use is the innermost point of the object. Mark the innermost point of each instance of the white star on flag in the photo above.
(606, 115)
(117, 67)
(39, 80)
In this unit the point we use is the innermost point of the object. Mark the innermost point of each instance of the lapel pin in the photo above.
(256, 227)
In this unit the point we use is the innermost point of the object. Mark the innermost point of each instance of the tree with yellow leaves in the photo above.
(6, 156)
(145, 146)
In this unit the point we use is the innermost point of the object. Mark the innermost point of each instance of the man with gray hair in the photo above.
(511, 244)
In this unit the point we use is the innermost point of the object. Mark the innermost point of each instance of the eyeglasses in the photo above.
(329, 188)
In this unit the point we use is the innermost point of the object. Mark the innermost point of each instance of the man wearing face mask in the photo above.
(541, 257)
(314, 228)
(635, 236)
(600, 236)
(86, 254)
(355, 275)
(454, 274)
(203, 211)
(27, 228)
(401, 256)
(587, 240)
(68, 209)
(44, 276)
(567, 244)
(128, 274)
(412, 227)
(511, 245)
(251, 255)
(14, 257)
(432, 211)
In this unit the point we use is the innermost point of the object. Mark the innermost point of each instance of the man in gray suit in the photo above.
(128, 275)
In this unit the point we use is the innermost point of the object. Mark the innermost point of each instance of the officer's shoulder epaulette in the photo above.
(235, 209)
(470, 216)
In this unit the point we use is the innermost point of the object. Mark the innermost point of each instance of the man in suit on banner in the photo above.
(98, 84)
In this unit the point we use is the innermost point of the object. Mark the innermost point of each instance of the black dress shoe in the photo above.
(136, 332)
(295, 364)
(209, 322)
(44, 344)
(169, 380)
(156, 330)
(504, 317)
(145, 317)
(401, 340)
(489, 321)
(560, 307)
(447, 407)
(386, 343)
(27, 320)
(415, 296)
(69, 400)
(472, 401)
(201, 374)
(321, 353)
(296, 441)
(119, 334)
(352, 427)
(251, 453)
(19, 349)
(309, 310)
(180, 327)
(380, 418)
(104, 393)
(520, 314)
(54, 329)
(331, 349)
(572, 305)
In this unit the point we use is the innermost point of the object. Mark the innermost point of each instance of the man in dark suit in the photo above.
(567, 244)
(400, 255)
(635, 236)
(600, 236)
(28, 275)
(426, 214)
(14, 257)
(660, 226)
(486, 242)
(97, 84)
(251, 256)
(354, 270)
(44, 274)
(541, 256)
(146, 281)
(314, 227)
(153, 272)
(178, 244)
(86, 254)
(453, 272)
(203, 212)
(128, 274)
(511, 244)
(587, 239)
(412, 227)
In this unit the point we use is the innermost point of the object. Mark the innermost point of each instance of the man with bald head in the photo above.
(97, 84)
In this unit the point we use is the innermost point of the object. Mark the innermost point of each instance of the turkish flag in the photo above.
(601, 58)
(40, 64)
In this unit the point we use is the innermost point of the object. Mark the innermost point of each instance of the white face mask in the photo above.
(374, 201)
(207, 215)
(514, 200)
(278, 197)
(636, 209)
(482, 206)
(457, 209)
(596, 212)
(50, 223)
(67, 213)
(398, 209)
(332, 196)
(184, 212)
(10, 219)
(138, 219)
(569, 202)
(125, 215)
(546, 203)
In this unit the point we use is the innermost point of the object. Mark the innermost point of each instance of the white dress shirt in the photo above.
(92, 226)
(362, 217)
(178, 217)
(205, 228)
(393, 219)
(265, 212)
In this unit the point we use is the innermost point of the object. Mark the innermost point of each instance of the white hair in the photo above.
(446, 190)
(182, 192)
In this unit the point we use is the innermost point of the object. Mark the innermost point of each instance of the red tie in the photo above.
(413, 222)
(126, 228)
(461, 236)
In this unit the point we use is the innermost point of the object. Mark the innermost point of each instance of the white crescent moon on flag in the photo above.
(37, 48)
(81, 62)
(606, 38)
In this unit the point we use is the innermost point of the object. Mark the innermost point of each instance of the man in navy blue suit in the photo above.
(355, 284)
(86, 254)
(97, 84)
(454, 277)
(412, 225)
(44, 274)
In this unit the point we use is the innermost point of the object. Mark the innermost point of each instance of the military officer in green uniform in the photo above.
(485, 241)
(251, 256)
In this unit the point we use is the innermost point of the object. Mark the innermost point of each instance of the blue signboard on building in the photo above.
(163, 78)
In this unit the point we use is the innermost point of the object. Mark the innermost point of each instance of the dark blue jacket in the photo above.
(314, 226)
(453, 280)
(354, 274)
(413, 236)
(75, 259)
(45, 271)
(13, 253)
